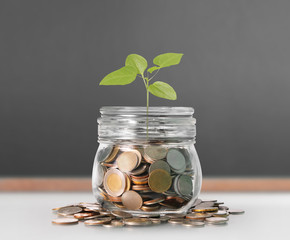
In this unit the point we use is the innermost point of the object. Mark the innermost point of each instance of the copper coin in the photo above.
(65, 221)
(114, 199)
(127, 161)
(114, 223)
(132, 200)
(114, 182)
(141, 187)
(171, 203)
(159, 180)
(154, 201)
(84, 214)
(119, 205)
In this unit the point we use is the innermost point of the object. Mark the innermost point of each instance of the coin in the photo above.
(206, 209)
(196, 202)
(184, 185)
(236, 211)
(155, 220)
(150, 208)
(220, 214)
(112, 155)
(175, 215)
(64, 211)
(141, 169)
(114, 223)
(141, 187)
(171, 203)
(128, 182)
(159, 180)
(205, 205)
(114, 199)
(193, 224)
(216, 220)
(114, 182)
(132, 200)
(65, 221)
(198, 216)
(176, 160)
(154, 152)
(137, 221)
(98, 221)
(121, 214)
(223, 208)
(159, 164)
(176, 220)
(154, 201)
(84, 214)
(127, 161)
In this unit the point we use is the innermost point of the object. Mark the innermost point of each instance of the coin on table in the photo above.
(225, 208)
(121, 214)
(193, 223)
(64, 211)
(205, 204)
(65, 221)
(236, 211)
(154, 152)
(159, 180)
(176, 160)
(200, 216)
(220, 213)
(196, 202)
(137, 221)
(98, 221)
(216, 220)
(176, 220)
(132, 200)
(114, 182)
(205, 209)
(83, 215)
(127, 161)
(114, 223)
(159, 164)
(155, 221)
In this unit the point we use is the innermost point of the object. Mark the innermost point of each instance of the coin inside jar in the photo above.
(127, 161)
(132, 200)
(176, 160)
(114, 182)
(137, 221)
(154, 152)
(159, 180)
(159, 164)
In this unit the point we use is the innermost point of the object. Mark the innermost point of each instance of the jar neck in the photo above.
(133, 124)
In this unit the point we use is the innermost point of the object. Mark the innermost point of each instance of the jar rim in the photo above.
(141, 110)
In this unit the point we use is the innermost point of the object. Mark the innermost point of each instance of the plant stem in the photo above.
(147, 108)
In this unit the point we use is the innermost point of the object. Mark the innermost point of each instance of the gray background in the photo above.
(235, 73)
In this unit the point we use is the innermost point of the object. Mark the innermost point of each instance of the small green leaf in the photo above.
(152, 69)
(122, 76)
(136, 61)
(162, 90)
(167, 59)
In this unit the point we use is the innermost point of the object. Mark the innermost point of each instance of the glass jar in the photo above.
(146, 163)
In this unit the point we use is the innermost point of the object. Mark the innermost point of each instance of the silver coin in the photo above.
(216, 219)
(176, 160)
(104, 153)
(121, 214)
(159, 164)
(236, 211)
(184, 185)
(193, 223)
(64, 211)
(137, 221)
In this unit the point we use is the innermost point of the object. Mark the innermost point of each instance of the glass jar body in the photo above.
(167, 177)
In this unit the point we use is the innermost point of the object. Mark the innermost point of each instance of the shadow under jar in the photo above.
(146, 163)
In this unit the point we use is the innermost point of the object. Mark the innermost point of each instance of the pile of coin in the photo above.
(144, 177)
(207, 212)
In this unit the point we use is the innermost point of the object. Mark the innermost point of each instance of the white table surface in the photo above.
(29, 215)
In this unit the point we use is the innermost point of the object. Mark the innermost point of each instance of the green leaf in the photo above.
(167, 59)
(152, 69)
(122, 76)
(162, 90)
(136, 61)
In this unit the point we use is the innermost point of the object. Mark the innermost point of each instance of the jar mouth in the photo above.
(141, 110)
(133, 124)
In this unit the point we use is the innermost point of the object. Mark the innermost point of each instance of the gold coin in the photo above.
(205, 209)
(112, 155)
(137, 221)
(128, 182)
(198, 216)
(127, 161)
(159, 180)
(132, 200)
(65, 221)
(114, 199)
(114, 182)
